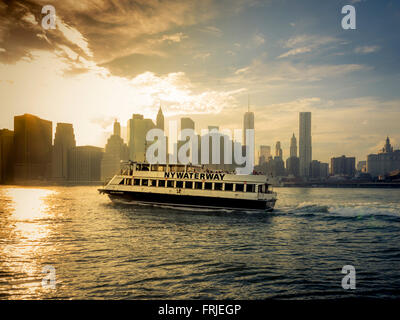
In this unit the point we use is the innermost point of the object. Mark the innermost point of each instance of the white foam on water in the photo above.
(351, 210)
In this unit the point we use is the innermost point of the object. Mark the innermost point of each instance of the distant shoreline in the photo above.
(377, 185)
(54, 184)
(369, 185)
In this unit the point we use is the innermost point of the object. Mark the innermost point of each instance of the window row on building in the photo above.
(198, 185)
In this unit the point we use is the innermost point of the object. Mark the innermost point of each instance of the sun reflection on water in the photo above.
(24, 238)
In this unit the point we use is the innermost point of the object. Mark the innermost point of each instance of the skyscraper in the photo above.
(160, 120)
(343, 166)
(278, 150)
(187, 123)
(33, 147)
(293, 162)
(115, 151)
(6, 155)
(248, 123)
(305, 150)
(293, 146)
(64, 140)
(264, 155)
(137, 131)
(84, 164)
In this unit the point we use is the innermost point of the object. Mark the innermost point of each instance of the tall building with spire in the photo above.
(293, 163)
(293, 146)
(160, 119)
(115, 151)
(388, 147)
(305, 149)
(248, 121)
(387, 160)
(64, 140)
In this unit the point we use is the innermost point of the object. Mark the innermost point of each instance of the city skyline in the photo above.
(206, 61)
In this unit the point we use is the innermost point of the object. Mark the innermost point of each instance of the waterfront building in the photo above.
(32, 148)
(84, 164)
(387, 160)
(64, 140)
(305, 148)
(293, 166)
(6, 155)
(319, 170)
(345, 166)
(277, 166)
(115, 152)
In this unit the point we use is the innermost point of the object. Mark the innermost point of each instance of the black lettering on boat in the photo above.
(209, 176)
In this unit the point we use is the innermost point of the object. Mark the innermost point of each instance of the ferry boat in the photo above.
(189, 186)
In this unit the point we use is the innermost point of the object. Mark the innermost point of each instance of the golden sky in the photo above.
(109, 59)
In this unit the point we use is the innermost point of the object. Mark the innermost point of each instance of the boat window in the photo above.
(161, 183)
(136, 182)
(251, 188)
(239, 187)
(122, 181)
(208, 185)
(128, 181)
(189, 184)
(228, 186)
(198, 185)
(153, 183)
(170, 183)
(179, 184)
(217, 186)
(145, 182)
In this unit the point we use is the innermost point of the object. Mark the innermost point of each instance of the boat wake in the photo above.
(351, 211)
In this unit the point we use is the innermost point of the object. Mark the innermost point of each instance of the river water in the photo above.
(103, 250)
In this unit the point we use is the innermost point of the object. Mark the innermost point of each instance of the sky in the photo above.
(109, 59)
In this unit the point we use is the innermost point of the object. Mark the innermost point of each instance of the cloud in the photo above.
(366, 49)
(202, 56)
(305, 43)
(176, 37)
(283, 73)
(212, 30)
(175, 91)
(96, 27)
(258, 39)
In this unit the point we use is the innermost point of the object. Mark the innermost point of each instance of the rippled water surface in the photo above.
(104, 250)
